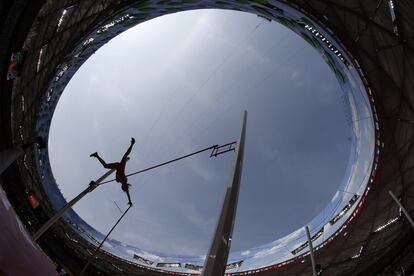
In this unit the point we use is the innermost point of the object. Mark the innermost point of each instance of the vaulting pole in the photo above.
(216, 259)
(407, 215)
(92, 186)
(102, 242)
(311, 250)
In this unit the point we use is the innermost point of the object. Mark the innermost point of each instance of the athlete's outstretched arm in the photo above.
(128, 150)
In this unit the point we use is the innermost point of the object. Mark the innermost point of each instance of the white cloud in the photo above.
(245, 253)
(335, 196)
(268, 251)
(150, 256)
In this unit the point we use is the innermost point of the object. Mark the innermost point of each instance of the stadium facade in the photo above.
(367, 44)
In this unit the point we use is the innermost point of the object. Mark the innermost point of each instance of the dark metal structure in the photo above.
(378, 33)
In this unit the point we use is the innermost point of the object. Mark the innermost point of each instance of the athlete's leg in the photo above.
(104, 164)
(114, 166)
(124, 158)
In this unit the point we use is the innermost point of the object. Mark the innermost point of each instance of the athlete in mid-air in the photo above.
(120, 169)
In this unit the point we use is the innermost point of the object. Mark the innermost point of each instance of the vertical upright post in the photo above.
(407, 215)
(92, 186)
(311, 251)
(216, 259)
(7, 157)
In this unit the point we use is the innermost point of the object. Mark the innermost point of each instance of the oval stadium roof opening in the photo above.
(357, 140)
(367, 47)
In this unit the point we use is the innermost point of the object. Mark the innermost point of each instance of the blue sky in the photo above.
(180, 83)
